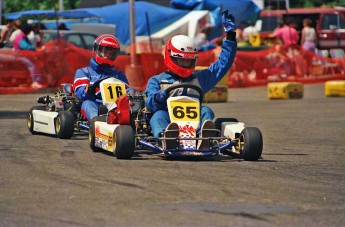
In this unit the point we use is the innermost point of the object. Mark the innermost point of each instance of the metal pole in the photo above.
(1, 3)
(132, 31)
(149, 31)
(61, 5)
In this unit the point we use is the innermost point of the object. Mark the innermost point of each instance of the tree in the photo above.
(21, 5)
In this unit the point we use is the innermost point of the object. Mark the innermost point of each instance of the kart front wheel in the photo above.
(251, 144)
(124, 142)
(64, 125)
(92, 132)
(31, 120)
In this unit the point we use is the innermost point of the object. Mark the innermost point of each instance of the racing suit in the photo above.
(89, 75)
(206, 79)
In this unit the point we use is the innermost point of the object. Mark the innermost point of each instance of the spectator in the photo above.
(105, 51)
(16, 31)
(62, 26)
(201, 39)
(218, 49)
(280, 24)
(22, 42)
(35, 36)
(248, 31)
(239, 32)
(287, 33)
(308, 39)
(6, 33)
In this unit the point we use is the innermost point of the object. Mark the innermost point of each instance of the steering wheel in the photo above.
(186, 85)
(92, 88)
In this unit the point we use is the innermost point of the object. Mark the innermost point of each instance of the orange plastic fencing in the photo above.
(49, 66)
(153, 64)
(56, 63)
(283, 63)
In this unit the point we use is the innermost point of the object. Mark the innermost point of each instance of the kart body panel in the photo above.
(44, 121)
(231, 129)
(185, 111)
(104, 135)
(111, 89)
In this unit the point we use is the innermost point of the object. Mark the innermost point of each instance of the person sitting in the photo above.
(6, 33)
(22, 42)
(105, 50)
(180, 57)
(16, 30)
(35, 36)
(248, 31)
(201, 39)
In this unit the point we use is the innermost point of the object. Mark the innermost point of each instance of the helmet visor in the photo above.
(108, 53)
(187, 63)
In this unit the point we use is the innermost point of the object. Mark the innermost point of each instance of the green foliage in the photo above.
(21, 5)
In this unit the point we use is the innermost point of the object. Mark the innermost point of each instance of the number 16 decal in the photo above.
(113, 91)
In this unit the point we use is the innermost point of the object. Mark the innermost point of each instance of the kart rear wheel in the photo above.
(92, 132)
(251, 144)
(124, 142)
(30, 118)
(64, 125)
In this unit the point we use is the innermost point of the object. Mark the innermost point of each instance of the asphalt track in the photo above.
(300, 180)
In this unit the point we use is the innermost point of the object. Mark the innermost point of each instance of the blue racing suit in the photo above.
(206, 79)
(89, 75)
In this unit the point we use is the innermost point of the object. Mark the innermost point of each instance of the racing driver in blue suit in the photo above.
(105, 51)
(180, 58)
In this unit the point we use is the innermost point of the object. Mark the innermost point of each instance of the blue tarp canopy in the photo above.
(30, 13)
(243, 10)
(118, 14)
(78, 13)
(158, 16)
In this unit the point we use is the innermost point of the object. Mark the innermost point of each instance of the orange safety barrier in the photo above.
(56, 63)
(283, 63)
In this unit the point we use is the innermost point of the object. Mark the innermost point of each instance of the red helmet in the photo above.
(106, 48)
(180, 55)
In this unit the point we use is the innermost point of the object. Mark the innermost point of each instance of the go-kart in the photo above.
(60, 115)
(126, 129)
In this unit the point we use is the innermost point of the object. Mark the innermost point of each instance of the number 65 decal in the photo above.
(187, 112)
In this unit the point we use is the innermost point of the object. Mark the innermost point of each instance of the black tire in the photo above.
(218, 122)
(102, 110)
(64, 125)
(124, 142)
(251, 144)
(92, 133)
(31, 120)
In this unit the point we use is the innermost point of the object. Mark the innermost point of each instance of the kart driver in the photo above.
(105, 51)
(180, 58)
